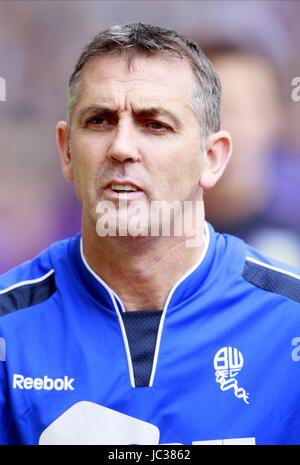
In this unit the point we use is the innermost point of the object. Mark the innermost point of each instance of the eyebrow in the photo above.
(97, 109)
(158, 111)
(143, 111)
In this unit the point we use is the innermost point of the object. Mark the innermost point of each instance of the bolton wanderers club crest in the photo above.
(228, 362)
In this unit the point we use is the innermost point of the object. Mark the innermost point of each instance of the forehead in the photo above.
(151, 80)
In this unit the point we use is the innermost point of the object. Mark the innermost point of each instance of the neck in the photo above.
(141, 270)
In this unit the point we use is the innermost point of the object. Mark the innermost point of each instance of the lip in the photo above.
(109, 193)
(122, 182)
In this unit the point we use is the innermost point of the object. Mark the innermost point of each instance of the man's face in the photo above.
(135, 128)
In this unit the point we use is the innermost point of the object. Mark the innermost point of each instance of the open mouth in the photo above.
(127, 190)
(123, 188)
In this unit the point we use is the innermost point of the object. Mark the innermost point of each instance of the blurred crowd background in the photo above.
(254, 46)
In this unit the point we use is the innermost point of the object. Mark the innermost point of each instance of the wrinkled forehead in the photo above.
(159, 78)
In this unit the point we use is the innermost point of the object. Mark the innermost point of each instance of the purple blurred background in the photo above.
(40, 42)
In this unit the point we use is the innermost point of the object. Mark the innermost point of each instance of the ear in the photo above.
(63, 145)
(217, 155)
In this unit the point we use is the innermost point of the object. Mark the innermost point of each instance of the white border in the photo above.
(272, 267)
(29, 281)
(162, 319)
(114, 297)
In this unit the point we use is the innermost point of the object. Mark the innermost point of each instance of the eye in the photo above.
(96, 121)
(156, 125)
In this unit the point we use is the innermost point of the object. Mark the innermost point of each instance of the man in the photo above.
(133, 332)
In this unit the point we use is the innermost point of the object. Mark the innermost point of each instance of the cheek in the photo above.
(177, 172)
(186, 164)
(85, 169)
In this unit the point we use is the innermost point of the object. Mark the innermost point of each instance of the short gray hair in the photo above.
(137, 39)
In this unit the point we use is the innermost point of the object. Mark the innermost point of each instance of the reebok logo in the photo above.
(45, 383)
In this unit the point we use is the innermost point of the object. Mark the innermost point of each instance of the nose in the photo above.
(124, 142)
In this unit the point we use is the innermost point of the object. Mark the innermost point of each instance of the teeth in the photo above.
(123, 187)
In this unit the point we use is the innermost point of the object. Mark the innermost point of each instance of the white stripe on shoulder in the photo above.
(29, 281)
(272, 267)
